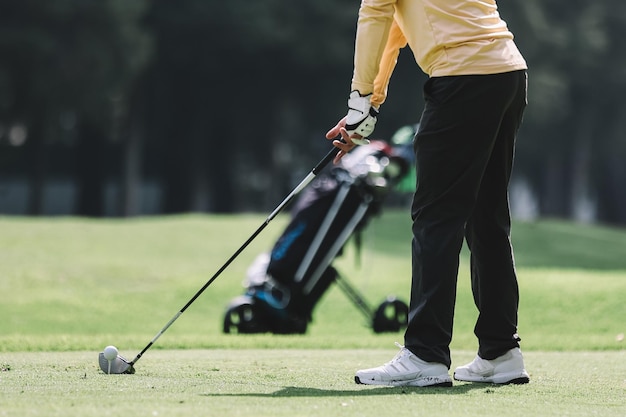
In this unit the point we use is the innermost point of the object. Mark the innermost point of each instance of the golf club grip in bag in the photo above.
(284, 286)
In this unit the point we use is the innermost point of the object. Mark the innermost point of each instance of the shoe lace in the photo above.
(404, 352)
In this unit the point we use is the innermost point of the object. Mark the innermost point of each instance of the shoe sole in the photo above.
(423, 382)
(506, 379)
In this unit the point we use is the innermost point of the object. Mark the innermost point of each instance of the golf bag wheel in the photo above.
(391, 316)
(249, 314)
(244, 316)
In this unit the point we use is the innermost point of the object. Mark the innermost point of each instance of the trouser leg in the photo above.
(458, 131)
(494, 280)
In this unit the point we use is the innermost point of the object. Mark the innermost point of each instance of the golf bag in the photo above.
(284, 286)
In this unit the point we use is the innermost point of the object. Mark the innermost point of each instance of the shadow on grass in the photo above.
(288, 392)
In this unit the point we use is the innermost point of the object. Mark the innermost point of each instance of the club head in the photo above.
(119, 365)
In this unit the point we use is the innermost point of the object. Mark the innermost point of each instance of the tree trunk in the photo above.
(90, 160)
(36, 166)
(611, 172)
(580, 201)
(130, 197)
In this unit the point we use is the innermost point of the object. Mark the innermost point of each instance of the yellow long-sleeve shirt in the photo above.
(447, 37)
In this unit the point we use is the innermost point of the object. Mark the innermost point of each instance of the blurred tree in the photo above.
(228, 101)
(573, 122)
(227, 76)
(68, 60)
(243, 92)
(608, 179)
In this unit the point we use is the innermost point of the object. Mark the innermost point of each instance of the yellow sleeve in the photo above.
(395, 42)
(377, 46)
(372, 31)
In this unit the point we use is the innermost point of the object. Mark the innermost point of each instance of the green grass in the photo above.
(71, 286)
(297, 382)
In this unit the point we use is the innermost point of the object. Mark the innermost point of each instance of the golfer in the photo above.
(474, 100)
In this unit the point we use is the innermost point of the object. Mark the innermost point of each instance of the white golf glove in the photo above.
(361, 118)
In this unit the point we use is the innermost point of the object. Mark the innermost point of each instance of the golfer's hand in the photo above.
(362, 116)
(345, 145)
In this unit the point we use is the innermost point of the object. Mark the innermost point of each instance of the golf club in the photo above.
(119, 365)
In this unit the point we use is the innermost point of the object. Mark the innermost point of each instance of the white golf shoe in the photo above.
(505, 369)
(406, 369)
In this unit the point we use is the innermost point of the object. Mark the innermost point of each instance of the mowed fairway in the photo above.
(72, 286)
(298, 382)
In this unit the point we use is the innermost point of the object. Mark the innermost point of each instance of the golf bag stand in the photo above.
(283, 287)
(390, 316)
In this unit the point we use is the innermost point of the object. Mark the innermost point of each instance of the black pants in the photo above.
(464, 155)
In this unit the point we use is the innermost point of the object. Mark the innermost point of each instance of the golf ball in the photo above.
(110, 353)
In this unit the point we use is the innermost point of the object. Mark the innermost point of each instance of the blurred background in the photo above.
(141, 107)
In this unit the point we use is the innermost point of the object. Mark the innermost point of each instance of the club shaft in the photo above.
(316, 170)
